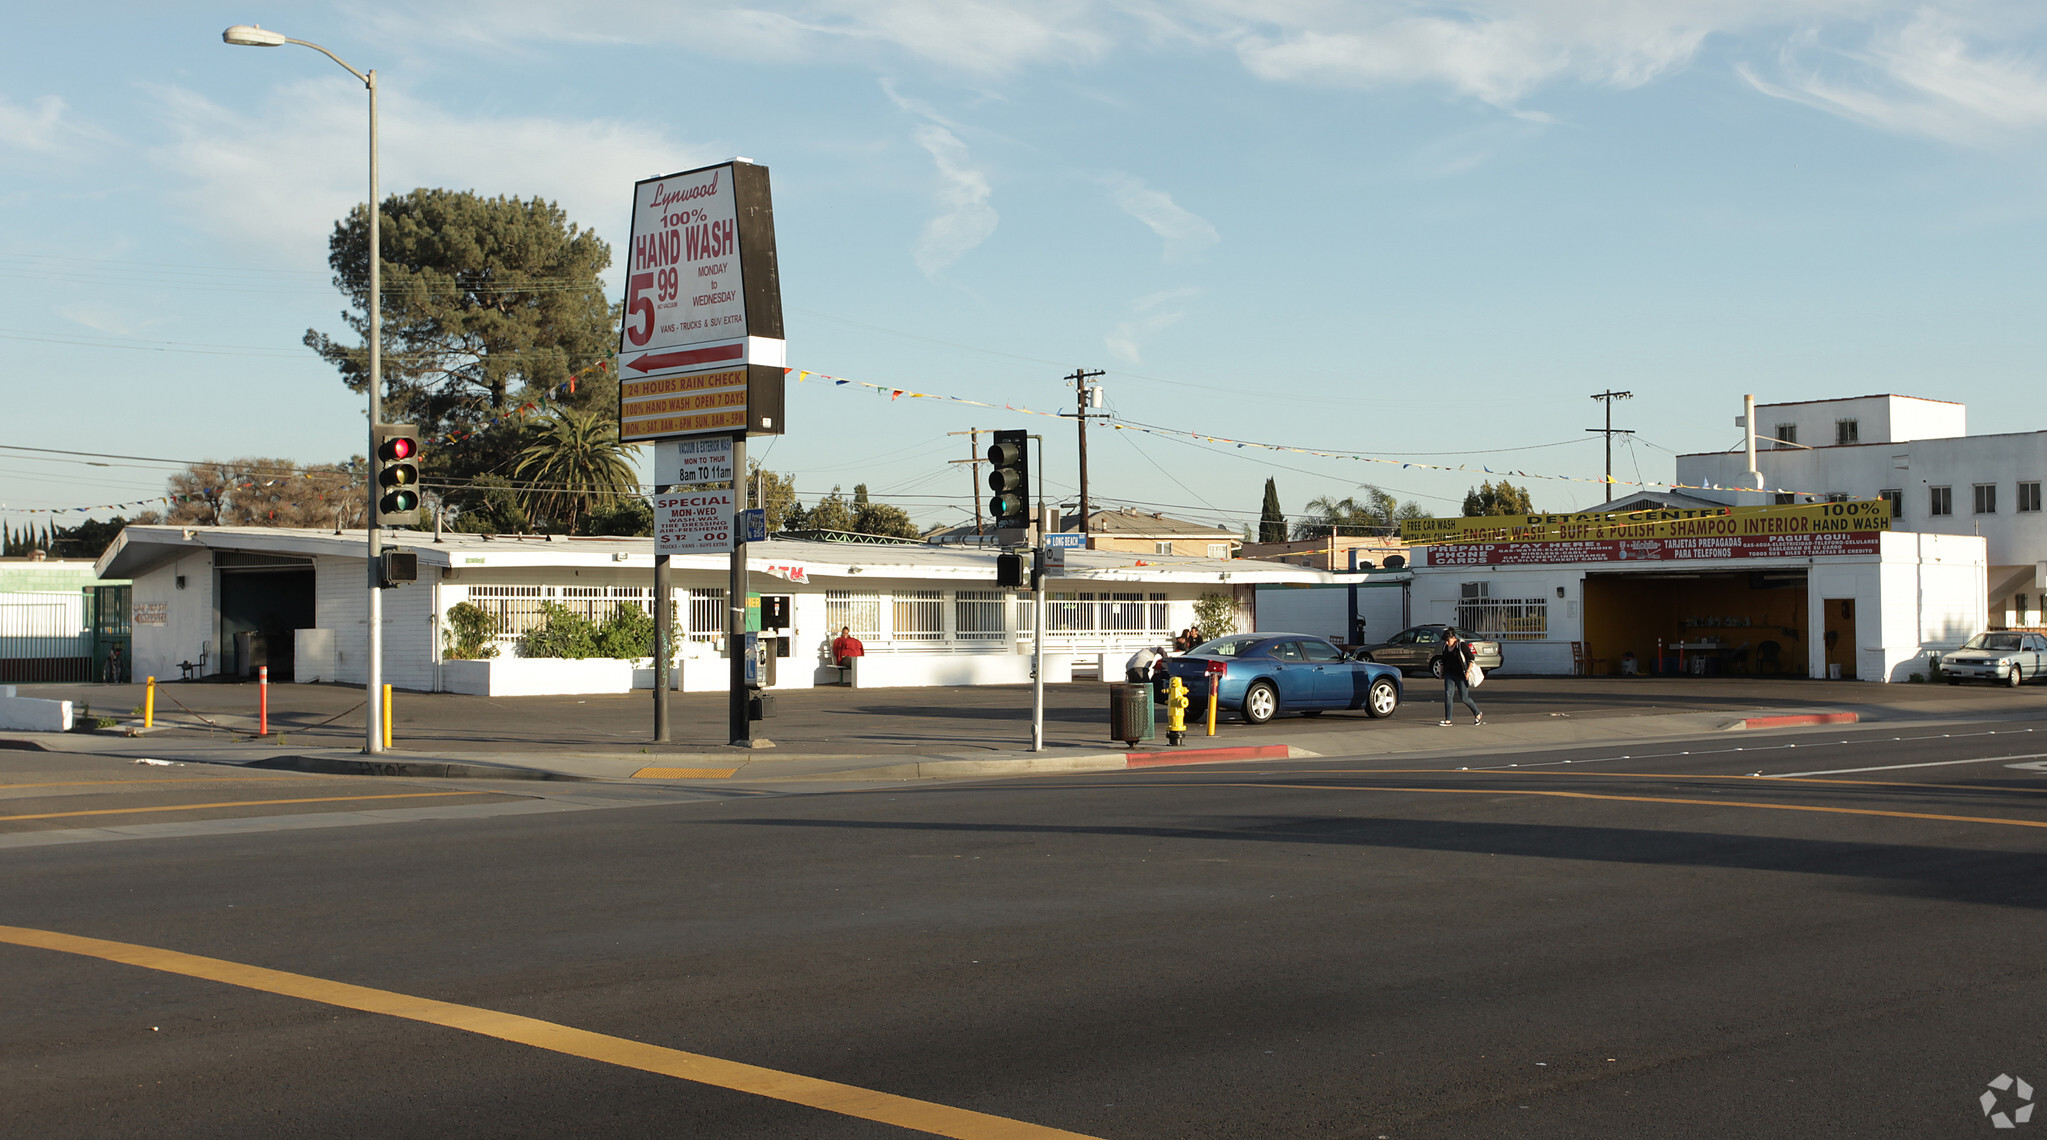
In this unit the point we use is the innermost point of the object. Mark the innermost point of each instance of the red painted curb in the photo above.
(1798, 720)
(1206, 755)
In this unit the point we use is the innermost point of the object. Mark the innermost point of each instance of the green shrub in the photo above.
(469, 635)
(561, 633)
(628, 632)
(1216, 614)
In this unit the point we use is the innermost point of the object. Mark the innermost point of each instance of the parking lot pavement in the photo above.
(910, 733)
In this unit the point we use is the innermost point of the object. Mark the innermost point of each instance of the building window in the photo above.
(1787, 435)
(1941, 501)
(707, 615)
(1837, 496)
(1504, 619)
(1986, 498)
(1161, 548)
(1896, 499)
(1221, 550)
(1846, 431)
(860, 611)
(2029, 496)
(977, 615)
(1784, 500)
(920, 615)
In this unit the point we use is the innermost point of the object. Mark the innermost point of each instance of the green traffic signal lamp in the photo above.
(1010, 477)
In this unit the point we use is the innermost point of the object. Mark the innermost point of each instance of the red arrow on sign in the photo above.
(654, 360)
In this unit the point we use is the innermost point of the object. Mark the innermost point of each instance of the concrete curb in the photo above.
(430, 769)
(1797, 720)
(1052, 765)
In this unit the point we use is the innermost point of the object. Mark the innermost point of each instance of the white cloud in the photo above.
(1149, 314)
(43, 127)
(966, 219)
(970, 37)
(280, 177)
(1924, 77)
(1185, 233)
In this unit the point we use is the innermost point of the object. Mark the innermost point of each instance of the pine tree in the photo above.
(1271, 519)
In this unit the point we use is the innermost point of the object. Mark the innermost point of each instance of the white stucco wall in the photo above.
(192, 619)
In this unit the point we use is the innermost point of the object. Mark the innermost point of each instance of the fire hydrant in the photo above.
(1176, 710)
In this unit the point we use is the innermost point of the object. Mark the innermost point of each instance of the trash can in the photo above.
(1131, 714)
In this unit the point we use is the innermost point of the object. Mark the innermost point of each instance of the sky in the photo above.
(1404, 235)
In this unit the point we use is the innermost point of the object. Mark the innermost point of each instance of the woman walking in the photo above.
(1457, 657)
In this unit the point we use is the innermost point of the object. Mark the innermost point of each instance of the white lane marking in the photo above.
(1894, 767)
(2035, 766)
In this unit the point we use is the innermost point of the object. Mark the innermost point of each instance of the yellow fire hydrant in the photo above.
(1176, 710)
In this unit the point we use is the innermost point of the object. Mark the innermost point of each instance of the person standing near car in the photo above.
(1139, 668)
(1457, 660)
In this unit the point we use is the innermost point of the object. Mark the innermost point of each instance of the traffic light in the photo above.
(396, 567)
(1010, 479)
(1009, 570)
(396, 475)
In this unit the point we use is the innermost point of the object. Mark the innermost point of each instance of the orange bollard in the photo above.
(262, 700)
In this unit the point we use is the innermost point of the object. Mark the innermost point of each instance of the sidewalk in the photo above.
(904, 734)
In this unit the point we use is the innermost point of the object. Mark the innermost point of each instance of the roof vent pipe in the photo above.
(1748, 419)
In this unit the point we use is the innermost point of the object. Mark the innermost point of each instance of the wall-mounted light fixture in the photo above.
(1560, 591)
(180, 580)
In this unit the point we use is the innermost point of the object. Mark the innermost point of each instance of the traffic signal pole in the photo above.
(373, 713)
(1038, 615)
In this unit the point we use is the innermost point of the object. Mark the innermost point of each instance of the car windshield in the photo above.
(1227, 646)
(1998, 641)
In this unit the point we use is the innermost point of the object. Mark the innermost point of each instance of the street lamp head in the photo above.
(249, 35)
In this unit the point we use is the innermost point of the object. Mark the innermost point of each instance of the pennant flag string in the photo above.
(1172, 433)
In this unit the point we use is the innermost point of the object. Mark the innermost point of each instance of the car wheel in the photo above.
(2015, 679)
(1261, 702)
(1361, 657)
(1436, 668)
(1381, 699)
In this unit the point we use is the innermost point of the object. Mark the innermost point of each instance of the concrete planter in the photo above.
(537, 676)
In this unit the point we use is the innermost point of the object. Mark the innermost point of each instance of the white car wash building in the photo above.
(1918, 454)
(222, 600)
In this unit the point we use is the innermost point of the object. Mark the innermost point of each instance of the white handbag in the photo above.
(1474, 676)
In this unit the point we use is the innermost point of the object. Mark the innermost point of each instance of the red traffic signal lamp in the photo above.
(395, 476)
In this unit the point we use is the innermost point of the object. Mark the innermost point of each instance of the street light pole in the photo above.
(249, 35)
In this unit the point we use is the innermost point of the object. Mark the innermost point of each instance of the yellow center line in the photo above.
(1663, 800)
(172, 780)
(830, 1096)
(239, 803)
(1587, 773)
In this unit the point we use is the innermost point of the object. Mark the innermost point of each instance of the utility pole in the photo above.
(974, 444)
(1085, 396)
(1609, 431)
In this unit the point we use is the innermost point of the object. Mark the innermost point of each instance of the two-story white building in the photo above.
(1918, 454)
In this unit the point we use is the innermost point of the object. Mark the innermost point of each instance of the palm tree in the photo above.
(574, 465)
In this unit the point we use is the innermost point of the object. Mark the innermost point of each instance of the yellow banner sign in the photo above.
(1709, 522)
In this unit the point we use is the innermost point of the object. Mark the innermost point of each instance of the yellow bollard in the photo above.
(1176, 710)
(387, 716)
(1215, 687)
(149, 704)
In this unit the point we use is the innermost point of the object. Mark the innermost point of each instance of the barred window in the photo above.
(977, 615)
(1123, 613)
(1157, 617)
(859, 610)
(1505, 619)
(920, 615)
(707, 615)
(1069, 612)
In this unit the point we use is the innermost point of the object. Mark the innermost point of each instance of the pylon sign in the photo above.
(701, 349)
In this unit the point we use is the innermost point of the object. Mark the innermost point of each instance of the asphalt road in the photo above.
(1815, 933)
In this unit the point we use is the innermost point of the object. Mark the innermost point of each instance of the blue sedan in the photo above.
(1264, 674)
